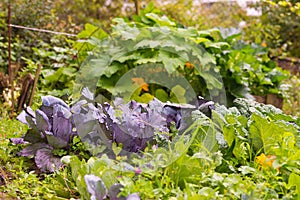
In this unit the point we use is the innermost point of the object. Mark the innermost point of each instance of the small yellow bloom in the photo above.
(140, 82)
(265, 161)
(264, 44)
(189, 65)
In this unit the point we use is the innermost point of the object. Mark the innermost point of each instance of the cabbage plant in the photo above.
(51, 128)
(132, 126)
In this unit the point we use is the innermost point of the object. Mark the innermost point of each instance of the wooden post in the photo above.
(10, 70)
(36, 78)
(137, 7)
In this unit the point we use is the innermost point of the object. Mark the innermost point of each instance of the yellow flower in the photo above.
(189, 65)
(264, 44)
(265, 161)
(140, 82)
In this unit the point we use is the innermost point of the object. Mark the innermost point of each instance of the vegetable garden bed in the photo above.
(122, 138)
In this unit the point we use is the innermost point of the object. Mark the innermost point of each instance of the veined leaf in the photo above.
(91, 30)
(264, 134)
(96, 187)
(147, 43)
(294, 180)
(217, 45)
(45, 160)
(162, 21)
(101, 66)
(170, 63)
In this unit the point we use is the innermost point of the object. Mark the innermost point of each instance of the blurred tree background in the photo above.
(277, 27)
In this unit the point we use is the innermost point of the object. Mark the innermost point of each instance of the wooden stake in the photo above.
(10, 70)
(36, 78)
(137, 7)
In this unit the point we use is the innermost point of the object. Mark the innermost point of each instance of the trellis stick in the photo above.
(36, 78)
(10, 70)
(137, 7)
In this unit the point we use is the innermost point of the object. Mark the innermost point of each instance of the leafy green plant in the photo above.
(59, 68)
(249, 65)
(250, 151)
(207, 60)
(135, 53)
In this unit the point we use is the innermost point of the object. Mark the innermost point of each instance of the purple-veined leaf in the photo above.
(42, 121)
(128, 142)
(32, 122)
(17, 140)
(50, 101)
(114, 191)
(62, 125)
(22, 117)
(55, 141)
(27, 112)
(90, 125)
(95, 187)
(33, 136)
(111, 113)
(172, 115)
(136, 126)
(85, 112)
(32, 149)
(134, 196)
(45, 160)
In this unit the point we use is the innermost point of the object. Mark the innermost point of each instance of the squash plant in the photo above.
(171, 60)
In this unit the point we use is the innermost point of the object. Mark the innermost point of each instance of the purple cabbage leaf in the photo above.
(132, 126)
(51, 127)
(95, 187)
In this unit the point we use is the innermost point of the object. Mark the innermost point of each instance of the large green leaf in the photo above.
(294, 180)
(162, 21)
(264, 135)
(91, 30)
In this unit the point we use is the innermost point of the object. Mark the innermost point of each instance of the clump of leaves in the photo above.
(154, 49)
(51, 128)
(132, 126)
(226, 156)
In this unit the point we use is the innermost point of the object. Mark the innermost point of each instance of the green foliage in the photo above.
(207, 60)
(278, 27)
(249, 65)
(31, 48)
(100, 12)
(218, 158)
(19, 178)
(250, 151)
(204, 15)
(59, 69)
(291, 104)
